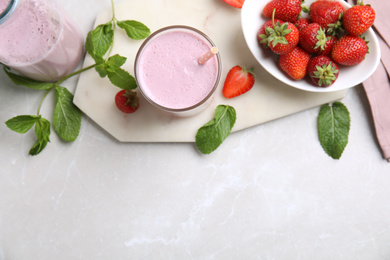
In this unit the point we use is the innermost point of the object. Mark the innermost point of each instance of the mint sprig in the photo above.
(22, 124)
(67, 117)
(333, 128)
(210, 136)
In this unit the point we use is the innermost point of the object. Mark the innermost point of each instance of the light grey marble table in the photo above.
(269, 192)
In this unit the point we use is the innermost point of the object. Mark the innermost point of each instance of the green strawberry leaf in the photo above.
(67, 117)
(21, 124)
(121, 78)
(99, 41)
(42, 131)
(30, 83)
(134, 29)
(333, 128)
(210, 136)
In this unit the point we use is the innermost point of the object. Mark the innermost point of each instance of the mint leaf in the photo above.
(333, 128)
(99, 41)
(111, 65)
(67, 117)
(23, 81)
(42, 131)
(210, 136)
(21, 124)
(101, 69)
(134, 29)
(121, 78)
(116, 61)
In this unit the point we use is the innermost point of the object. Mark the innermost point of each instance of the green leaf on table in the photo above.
(121, 78)
(67, 117)
(21, 124)
(99, 41)
(134, 29)
(111, 65)
(333, 128)
(101, 69)
(42, 131)
(210, 136)
(30, 83)
(116, 61)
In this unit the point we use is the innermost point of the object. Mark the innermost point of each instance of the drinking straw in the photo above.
(202, 60)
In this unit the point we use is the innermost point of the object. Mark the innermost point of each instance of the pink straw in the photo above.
(202, 60)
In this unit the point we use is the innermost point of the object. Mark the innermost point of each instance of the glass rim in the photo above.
(162, 30)
(8, 11)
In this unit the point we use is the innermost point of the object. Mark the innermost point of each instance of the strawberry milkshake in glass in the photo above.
(171, 73)
(38, 39)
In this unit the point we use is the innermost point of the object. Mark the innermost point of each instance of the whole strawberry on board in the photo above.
(349, 50)
(312, 38)
(323, 71)
(295, 63)
(235, 3)
(238, 81)
(262, 35)
(127, 101)
(359, 18)
(285, 10)
(328, 14)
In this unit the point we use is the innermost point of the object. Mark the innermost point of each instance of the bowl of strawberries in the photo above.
(318, 46)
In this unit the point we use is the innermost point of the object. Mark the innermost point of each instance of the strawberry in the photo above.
(302, 23)
(349, 50)
(282, 38)
(238, 81)
(295, 63)
(328, 14)
(358, 19)
(285, 10)
(323, 71)
(331, 40)
(235, 3)
(127, 101)
(312, 38)
(262, 34)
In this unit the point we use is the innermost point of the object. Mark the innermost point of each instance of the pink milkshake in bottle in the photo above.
(38, 39)
(169, 74)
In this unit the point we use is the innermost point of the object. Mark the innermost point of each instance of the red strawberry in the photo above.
(238, 81)
(235, 3)
(302, 23)
(127, 101)
(323, 71)
(349, 50)
(312, 38)
(286, 10)
(328, 14)
(282, 37)
(358, 19)
(262, 35)
(331, 40)
(295, 63)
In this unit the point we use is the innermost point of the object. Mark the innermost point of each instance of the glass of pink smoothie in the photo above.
(39, 39)
(168, 73)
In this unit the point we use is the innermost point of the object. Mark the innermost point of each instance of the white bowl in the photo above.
(251, 21)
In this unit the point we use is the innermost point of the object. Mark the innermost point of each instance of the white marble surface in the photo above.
(269, 192)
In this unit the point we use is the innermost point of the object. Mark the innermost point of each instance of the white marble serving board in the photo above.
(269, 99)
